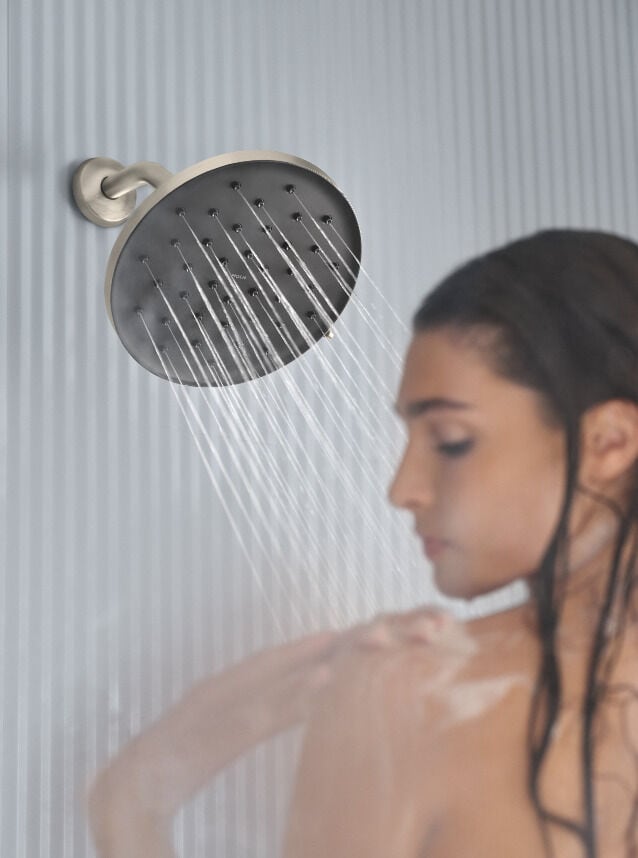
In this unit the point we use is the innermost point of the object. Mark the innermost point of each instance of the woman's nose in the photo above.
(412, 485)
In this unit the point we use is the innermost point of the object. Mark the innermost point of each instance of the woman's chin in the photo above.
(454, 586)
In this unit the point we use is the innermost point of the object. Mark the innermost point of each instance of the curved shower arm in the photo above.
(142, 173)
(104, 190)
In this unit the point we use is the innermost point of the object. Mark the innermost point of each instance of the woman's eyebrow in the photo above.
(424, 406)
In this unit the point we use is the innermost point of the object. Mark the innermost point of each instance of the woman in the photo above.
(515, 734)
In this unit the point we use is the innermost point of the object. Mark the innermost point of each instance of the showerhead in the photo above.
(230, 269)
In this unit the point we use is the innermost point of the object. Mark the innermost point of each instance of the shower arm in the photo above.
(129, 178)
(104, 189)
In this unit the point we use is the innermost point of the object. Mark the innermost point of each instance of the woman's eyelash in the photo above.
(456, 449)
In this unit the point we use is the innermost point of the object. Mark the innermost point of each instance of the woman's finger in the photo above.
(423, 624)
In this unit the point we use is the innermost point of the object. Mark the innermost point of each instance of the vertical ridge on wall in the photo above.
(4, 401)
(46, 332)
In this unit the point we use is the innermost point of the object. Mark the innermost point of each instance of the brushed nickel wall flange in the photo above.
(104, 189)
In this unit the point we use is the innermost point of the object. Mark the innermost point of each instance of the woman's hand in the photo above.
(132, 801)
(421, 625)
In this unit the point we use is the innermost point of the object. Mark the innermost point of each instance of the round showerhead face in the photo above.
(233, 268)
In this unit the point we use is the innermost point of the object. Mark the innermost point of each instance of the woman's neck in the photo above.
(589, 615)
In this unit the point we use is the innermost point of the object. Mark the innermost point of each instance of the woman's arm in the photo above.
(132, 802)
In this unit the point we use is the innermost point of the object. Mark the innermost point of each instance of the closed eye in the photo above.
(459, 448)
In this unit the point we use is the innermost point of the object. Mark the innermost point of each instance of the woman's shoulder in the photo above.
(413, 696)
(493, 652)
(380, 740)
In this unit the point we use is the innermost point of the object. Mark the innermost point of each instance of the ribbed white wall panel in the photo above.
(451, 125)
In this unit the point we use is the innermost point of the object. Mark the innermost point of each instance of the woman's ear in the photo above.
(609, 442)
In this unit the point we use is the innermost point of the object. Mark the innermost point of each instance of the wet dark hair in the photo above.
(557, 312)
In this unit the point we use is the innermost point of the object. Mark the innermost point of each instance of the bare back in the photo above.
(421, 752)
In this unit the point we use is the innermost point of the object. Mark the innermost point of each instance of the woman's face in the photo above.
(482, 474)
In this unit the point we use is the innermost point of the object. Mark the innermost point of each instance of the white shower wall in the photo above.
(451, 125)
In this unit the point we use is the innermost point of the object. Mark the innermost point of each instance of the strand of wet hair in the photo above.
(547, 698)
(605, 652)
(594, 691)
(631, 693)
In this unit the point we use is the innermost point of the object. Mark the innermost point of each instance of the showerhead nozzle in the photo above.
(241, 221)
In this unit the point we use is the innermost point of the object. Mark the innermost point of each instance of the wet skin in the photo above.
(420, 749)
